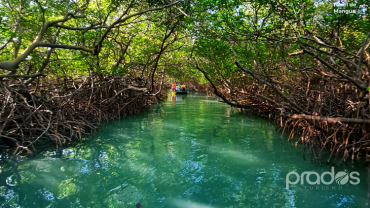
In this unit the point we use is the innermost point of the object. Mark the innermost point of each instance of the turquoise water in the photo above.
(188, 152)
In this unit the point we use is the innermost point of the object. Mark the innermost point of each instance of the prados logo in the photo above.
(340, 178)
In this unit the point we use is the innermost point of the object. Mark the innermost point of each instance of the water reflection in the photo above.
(187, 152)
(187, 203)
(177, 99)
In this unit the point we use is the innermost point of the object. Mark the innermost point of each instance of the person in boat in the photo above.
(178, 88)
(183, 88)
(174, 86)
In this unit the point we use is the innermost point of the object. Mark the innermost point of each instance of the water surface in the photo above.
(188, 152)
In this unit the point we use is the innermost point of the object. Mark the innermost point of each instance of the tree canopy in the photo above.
(305, 58)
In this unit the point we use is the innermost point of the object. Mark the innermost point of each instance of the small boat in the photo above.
(181, 93)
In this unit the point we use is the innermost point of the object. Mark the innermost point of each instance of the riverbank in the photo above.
(195, 86)
(65, 109)
(343, 137)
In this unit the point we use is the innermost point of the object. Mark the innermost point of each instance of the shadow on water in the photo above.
(190, 151)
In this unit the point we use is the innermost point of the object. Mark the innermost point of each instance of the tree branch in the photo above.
(218, 93)
(272, 86)
(331, 120)
(357, 83)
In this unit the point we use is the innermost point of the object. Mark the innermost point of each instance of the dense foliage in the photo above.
(304, 62)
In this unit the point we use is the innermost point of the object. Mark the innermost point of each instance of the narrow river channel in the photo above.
(188, 152)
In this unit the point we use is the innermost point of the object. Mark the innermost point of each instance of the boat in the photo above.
(179, 92)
